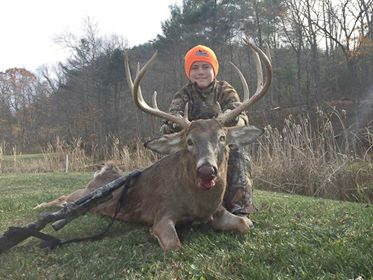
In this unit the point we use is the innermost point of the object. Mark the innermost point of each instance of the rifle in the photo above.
(70, 211)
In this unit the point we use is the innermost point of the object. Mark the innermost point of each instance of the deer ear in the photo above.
(166, 144)
(243, 135)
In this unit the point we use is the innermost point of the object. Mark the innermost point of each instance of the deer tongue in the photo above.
(207, 184)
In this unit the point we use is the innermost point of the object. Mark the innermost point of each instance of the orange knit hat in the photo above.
(200, 53)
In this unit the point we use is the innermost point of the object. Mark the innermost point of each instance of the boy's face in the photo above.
(201, 74)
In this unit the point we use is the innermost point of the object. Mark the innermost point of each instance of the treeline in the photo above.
(321, 51)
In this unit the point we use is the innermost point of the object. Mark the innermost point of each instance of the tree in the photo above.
(351, 25)
(19, 91)
(293, 33)
(90, 96)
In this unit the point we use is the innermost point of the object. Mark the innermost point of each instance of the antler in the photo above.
(139, 100)
(261, 90)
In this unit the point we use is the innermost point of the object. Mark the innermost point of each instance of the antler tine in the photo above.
(154, 100)
(245, 87)
(261, 90)
(186, 112)
(259, 70)
(130, 81)
(262, 87)
(268, 52)
(128, 72)
(138, 98)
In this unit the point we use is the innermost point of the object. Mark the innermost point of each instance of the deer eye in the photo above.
(222, 138)
(190, 142)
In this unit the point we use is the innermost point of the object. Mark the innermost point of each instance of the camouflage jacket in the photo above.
(202, 104)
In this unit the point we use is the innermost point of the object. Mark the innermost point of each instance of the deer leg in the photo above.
(164, 231)
(59, 202)
(226, 221)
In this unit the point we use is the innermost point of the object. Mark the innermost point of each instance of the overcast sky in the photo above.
(27, 27)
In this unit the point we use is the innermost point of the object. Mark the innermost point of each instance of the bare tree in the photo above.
(20, 90)
(292, 26)
(351, 26)
(92, 102)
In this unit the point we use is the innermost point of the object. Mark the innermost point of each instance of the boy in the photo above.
(206, 97)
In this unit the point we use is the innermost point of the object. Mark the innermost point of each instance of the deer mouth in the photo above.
(206, 184)
(206, 177)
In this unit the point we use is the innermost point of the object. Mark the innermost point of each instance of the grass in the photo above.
(295, 237)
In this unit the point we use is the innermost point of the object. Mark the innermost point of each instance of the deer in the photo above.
(188, 183)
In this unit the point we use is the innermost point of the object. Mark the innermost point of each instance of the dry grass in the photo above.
(68, 157)
(307, 157)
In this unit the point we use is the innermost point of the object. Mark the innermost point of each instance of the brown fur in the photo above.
(168, 192)
(105, 173)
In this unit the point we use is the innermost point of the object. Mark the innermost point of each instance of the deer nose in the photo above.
(206, 172)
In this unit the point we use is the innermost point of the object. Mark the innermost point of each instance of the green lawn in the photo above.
(294, 237)
(32, 163)
(23, 157)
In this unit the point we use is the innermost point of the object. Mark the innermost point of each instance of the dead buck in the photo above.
(189, 183)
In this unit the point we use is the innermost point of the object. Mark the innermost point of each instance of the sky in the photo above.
(28, 27)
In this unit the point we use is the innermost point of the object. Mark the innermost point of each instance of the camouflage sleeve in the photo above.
(177, 107)
(229, 99)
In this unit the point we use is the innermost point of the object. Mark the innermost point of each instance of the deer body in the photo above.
(170, 191)
(174, 190)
